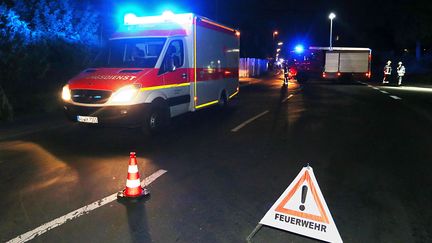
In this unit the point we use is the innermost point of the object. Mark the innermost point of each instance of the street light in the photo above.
(275, 33)
(331, 17)
(280, 43)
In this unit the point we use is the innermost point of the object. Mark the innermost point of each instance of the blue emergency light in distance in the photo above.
(299, 49)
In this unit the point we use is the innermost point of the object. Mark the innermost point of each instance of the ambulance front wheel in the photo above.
(157, 118)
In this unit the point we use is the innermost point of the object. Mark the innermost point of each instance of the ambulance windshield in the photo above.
(134, 53)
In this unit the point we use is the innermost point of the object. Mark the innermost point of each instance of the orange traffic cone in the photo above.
(133, 184)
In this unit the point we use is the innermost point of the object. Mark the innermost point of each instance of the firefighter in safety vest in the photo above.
(400, 72)
(387, 72)
(286, 75)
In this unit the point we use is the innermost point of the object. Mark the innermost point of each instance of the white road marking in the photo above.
(249, 121)
(148, 180)
(375, 88)
(287, 98)
(77, 213)
(384, 92)
(395, 97)
(411, 88)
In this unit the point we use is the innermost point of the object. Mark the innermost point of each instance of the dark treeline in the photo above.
(42, 44)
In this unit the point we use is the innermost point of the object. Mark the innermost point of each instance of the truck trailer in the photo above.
(345, 62)
(156, 68)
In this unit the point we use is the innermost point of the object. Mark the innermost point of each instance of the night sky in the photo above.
(385, 25)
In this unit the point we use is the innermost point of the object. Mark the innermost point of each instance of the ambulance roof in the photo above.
(165, 25)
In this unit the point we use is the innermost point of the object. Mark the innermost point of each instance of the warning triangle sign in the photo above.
(302, 209)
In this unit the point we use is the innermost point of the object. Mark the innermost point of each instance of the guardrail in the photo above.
(252, 67)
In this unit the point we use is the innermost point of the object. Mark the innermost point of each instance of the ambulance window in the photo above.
(154, 50)
(135, 53)
(174, 56)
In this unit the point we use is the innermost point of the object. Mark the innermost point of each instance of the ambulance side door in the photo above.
(175, 76)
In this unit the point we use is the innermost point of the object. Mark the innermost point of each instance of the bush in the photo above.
(42, 44)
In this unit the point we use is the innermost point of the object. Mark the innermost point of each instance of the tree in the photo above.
(413, 24)
(59, 19)
(42, 43)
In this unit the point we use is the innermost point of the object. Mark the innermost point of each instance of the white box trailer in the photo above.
(343, 62)
(157, 67)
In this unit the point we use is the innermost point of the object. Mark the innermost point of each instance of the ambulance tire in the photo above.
(157, 118)
(223, 101)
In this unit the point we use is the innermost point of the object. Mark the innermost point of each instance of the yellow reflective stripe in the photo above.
(218, 25)
(164, 86)
(233, 94)
(195, 64)
(207, 104)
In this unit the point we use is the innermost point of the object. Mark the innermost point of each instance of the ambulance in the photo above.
(156, 68)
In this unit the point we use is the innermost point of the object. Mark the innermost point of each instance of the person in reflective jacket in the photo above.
(286, 75)
(400, 73)
(387, 72)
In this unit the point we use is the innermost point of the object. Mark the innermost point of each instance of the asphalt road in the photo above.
(371, 154)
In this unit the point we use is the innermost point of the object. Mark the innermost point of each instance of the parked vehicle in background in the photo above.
(346, 62)
(336, 63)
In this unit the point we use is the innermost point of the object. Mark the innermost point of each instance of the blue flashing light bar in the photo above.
(167, 16)
(129, 19)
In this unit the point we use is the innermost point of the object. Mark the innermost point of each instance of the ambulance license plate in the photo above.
(87, 119)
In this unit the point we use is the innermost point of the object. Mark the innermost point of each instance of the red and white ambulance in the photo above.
(157, 67)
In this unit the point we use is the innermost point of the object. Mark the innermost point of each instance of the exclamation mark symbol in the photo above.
(303, 197)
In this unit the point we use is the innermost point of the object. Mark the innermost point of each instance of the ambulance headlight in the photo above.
(125, 94)
(66, 94)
